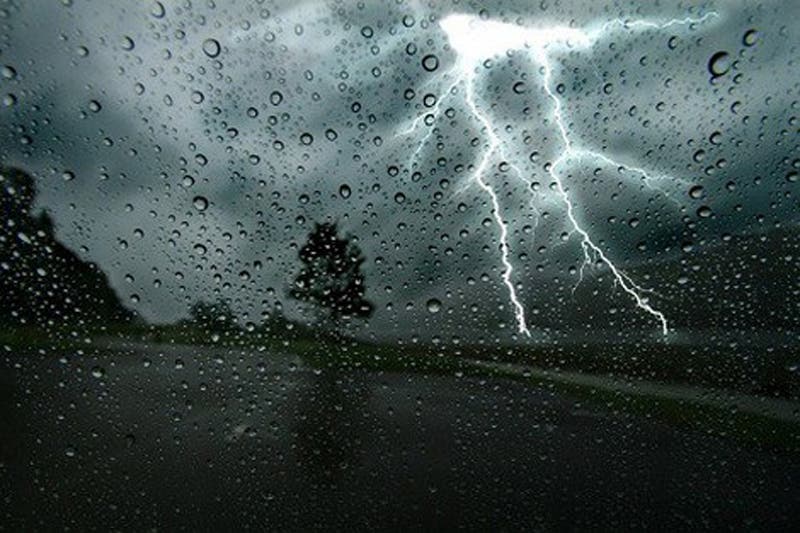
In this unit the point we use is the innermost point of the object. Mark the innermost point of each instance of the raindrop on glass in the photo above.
(200, 203)
(750, 37)
(434, 305)
(719, 64)
(430, 62)
(704, 211)
(696, 192)
(211, 47)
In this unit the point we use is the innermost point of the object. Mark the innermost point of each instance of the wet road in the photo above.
(197, 438)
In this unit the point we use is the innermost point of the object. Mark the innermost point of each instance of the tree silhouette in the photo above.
(331, 277)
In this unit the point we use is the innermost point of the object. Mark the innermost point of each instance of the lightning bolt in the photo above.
(478, 177)
(476, 40)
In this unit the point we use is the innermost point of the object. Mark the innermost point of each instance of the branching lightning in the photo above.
(478, 176)
(475, 40)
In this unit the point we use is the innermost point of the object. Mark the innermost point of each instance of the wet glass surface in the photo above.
(399, 265)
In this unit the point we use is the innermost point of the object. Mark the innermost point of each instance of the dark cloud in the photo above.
(305, 98)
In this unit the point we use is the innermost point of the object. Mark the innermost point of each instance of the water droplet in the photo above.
(399, 198)
(696, 192)
(68, 175)
(719, 64)
(157, 10)
(127, 43)
(211, 47)
(750, 37)
(275, 98)
(98, 372)
(306, 138)
(434, 305)
(200, 203)
(9, 73)
(367, 32)
(331, 134)
(344, 191)
(699, 155)
(704, 211)
(430, 62)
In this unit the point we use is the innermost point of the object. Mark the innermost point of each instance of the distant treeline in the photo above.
(45, 285)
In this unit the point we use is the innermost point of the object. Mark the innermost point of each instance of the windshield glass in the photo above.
(400, 264)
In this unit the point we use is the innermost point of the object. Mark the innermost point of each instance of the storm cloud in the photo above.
(131, 115)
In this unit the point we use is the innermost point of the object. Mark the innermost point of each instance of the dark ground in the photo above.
(203, 438)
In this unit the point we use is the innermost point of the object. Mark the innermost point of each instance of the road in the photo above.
(194, 438)
(776, 408)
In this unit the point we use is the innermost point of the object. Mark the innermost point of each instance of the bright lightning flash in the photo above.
(475, 40)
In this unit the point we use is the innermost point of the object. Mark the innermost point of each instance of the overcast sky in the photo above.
(281, 114)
